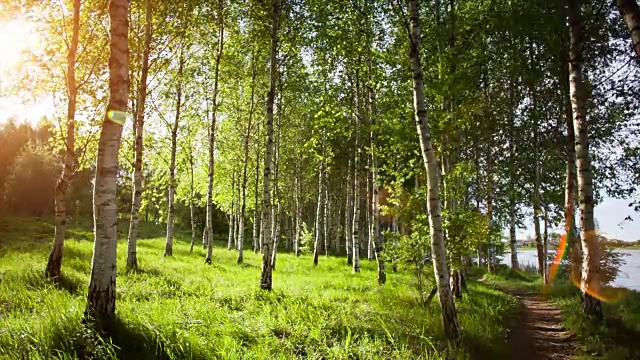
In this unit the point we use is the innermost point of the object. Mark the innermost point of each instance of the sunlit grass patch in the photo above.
(179, 308)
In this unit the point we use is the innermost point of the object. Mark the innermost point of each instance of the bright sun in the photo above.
(18, 38)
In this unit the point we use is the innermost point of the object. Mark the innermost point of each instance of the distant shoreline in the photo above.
(631, 247)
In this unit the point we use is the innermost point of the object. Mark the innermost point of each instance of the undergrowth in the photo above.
(180, 308)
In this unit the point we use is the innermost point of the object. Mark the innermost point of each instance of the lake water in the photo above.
(629, 276)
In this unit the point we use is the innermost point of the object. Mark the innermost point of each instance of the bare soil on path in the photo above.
(538, 333)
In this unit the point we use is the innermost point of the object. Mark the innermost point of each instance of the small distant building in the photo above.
(525, 243)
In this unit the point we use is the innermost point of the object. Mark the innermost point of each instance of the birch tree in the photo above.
(630, 12)
(438, 253)
(212, 132)
(52, 270)
(267, 270)
(591, 253)
(101, 299)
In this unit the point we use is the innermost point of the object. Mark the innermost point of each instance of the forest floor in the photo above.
(180, 308)
(539, 333)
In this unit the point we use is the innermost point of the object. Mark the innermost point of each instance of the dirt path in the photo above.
(538, 332)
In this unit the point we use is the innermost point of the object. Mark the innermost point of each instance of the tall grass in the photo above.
(180, 308)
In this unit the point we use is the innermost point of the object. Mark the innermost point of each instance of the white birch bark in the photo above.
(375, 190)
(212, 134)
(101, 299)
(266, 280)
(590, 284)
(355, 242)
(630, 12)
(438, 253)
(348, 215)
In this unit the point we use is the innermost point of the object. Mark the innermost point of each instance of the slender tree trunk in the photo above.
(54, 263)
(298, 212)
(536, 184)
(375, 196)
(438, 253)
(356, 183)
(256, 210)
(267, 271)
(369, 213)
(191, 198)
(276, 182)
(244, 168)
(572, 243)
(318, 226)
(172, 165)
(590, 284)
(348, 215)
(232, 227)
(490, 255)
(630, 12)
(545, 238)
(325, 214)
(212, 133)
(101, 299)
(512, 185)
(132, 241)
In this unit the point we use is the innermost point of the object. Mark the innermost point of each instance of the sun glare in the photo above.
(17, 36)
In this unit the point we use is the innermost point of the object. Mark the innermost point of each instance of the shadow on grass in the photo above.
(623, 335)
(71, 284)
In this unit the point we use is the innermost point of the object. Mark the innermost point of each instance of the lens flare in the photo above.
(602, 293)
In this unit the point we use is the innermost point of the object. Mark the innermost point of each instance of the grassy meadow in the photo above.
(180, 308)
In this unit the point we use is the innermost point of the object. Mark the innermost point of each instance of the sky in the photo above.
(610, 215)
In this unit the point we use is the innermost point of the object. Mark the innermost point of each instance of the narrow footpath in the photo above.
(538, 333)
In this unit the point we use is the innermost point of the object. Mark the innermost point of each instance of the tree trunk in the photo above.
(244, 168)
(438, 253)
(630, 12)
(591, 254)
(256, 210)
(348, 215)
(356, 183)
(191, 197)
(101, 299)
(572, 243)
(266, 274)
(545, 244)
(276, 183)
(168, 251)
(536, 184)
(325, 214)
(132, 240)
(298, 212)
(490, 251)
(212, 133)
(375, 193)
(512, 236)
(318, 226)
(54, 263)
(232, 227)
(369, 208)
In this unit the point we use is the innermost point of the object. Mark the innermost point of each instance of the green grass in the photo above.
(180, 308)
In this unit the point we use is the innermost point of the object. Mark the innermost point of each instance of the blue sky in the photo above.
(610, 215)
